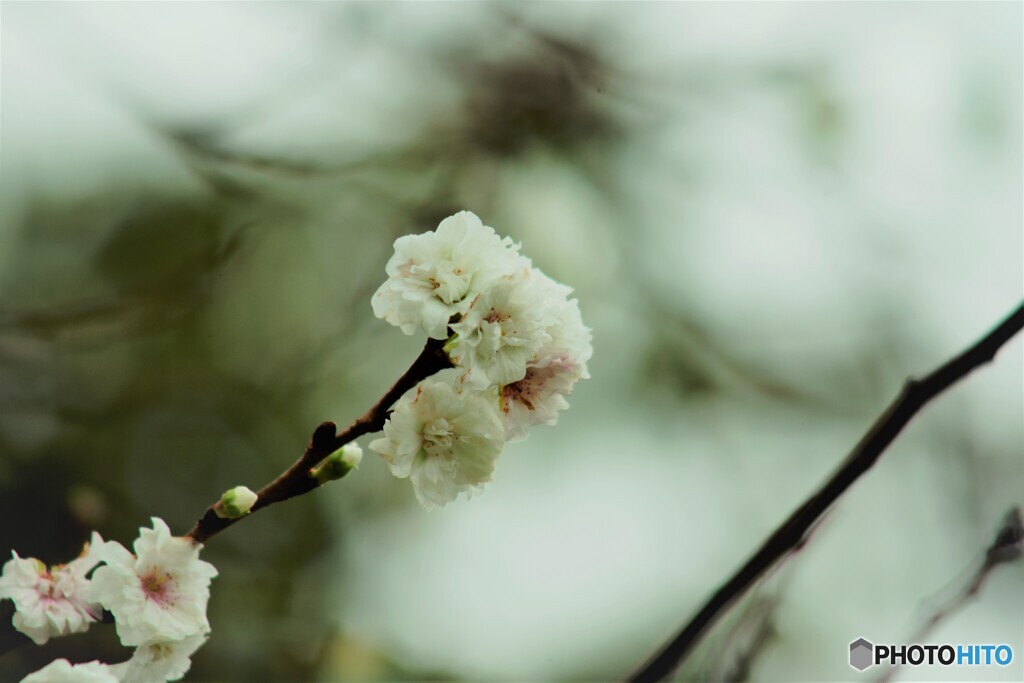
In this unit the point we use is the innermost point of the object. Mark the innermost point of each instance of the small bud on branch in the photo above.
(235, 503)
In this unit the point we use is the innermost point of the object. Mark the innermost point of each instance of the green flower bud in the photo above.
(338, 464)
(236, 502)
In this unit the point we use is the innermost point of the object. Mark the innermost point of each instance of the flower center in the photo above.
(449, 282)
(534, 387)
(496, 317)
(438, 437)
(159, 651)
(157, 586)
(523, 391)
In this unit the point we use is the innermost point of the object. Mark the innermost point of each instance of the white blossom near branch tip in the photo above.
(62, 671)
(538, 397)
(50, 602)
(446, 441)
(504, 328)
(436, 275)
(550, 376)
(160, 592)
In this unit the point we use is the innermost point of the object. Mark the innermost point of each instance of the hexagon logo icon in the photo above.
(861, 654)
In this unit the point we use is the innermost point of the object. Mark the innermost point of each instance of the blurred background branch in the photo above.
(1007, 546)
(915, 395)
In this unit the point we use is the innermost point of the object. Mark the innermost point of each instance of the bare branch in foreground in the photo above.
(296, 480)
(915, 395)
(1006, 547)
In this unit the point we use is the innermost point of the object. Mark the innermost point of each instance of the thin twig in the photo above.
(296, 481)
(748, 640)
(915, 394)
(1007, 546)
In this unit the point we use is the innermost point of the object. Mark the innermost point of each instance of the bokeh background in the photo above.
(772, 215)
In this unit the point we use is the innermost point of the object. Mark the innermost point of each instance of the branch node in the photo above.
(1009, 542)
(323, 436)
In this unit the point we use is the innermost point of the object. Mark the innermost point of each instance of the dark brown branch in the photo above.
(915, 394)
(1007, 546)
(296, 481)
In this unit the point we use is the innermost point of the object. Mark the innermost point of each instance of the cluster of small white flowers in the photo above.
(516, 338)
(157, 596)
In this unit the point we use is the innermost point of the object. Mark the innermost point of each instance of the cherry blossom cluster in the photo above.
(516, 339)
(157, 597)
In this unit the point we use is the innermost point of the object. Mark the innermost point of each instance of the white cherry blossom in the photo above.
(160, 660)
(551, 374)
(160, 592)
(504, 328)
(50, 602)
(445, 439)
(539, 396)
(62, 671)
(570, 338)
(436, 275)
